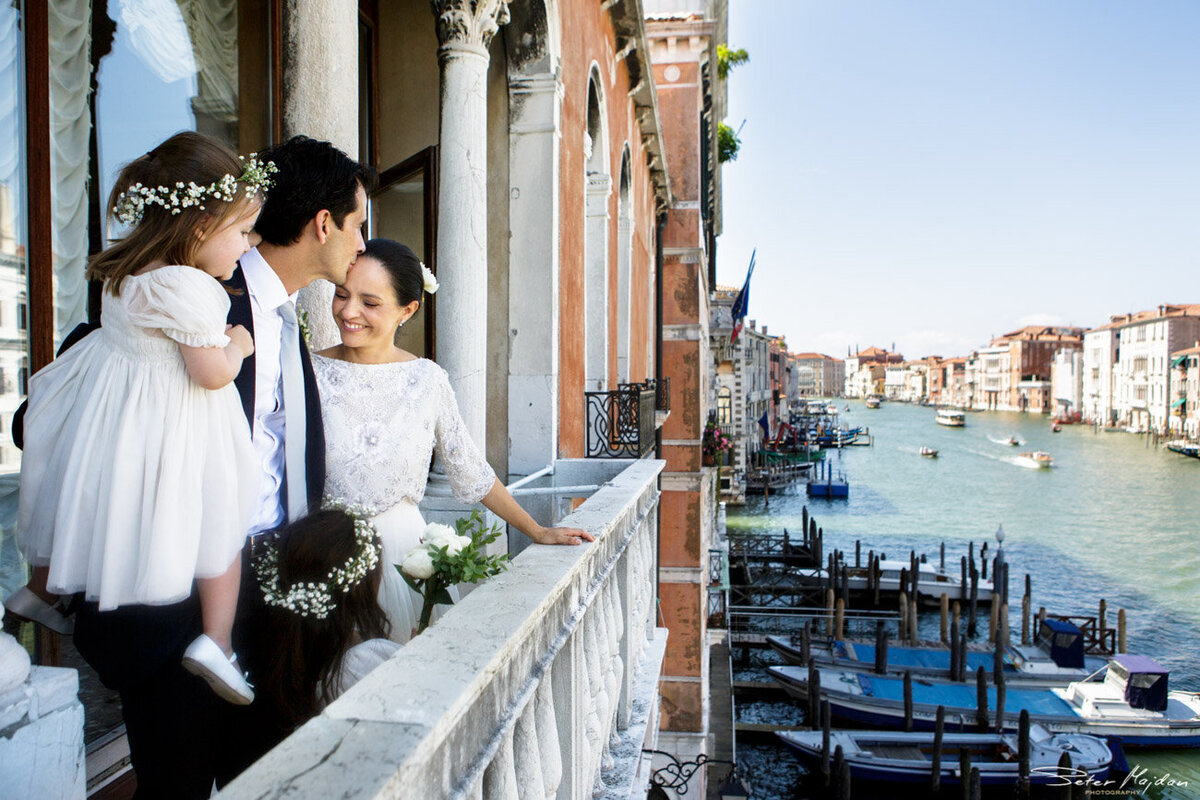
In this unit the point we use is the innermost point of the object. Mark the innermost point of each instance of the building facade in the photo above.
(553, 161)
(819, 375)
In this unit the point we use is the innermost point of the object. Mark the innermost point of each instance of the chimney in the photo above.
(753, 325)
(764, 330)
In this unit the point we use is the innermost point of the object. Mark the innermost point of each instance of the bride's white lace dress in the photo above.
(382, 424)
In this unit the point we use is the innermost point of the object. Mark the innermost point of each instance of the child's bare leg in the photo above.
(218, 604)
(37, 584)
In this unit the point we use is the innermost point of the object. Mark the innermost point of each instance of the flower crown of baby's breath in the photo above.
(131, 205)
(310, 599)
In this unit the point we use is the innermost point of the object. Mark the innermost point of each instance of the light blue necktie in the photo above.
(295, 430)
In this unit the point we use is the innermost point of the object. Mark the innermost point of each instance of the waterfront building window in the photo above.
(724, 406)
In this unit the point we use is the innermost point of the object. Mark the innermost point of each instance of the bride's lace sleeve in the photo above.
(471, 477)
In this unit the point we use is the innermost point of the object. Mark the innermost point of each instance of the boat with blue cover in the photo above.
(896, 756)
(1131, 704)
(1056, 658)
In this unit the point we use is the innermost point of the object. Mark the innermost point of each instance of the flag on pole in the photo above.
(742, 301)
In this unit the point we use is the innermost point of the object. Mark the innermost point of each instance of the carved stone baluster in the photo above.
(500, 777)
(595, 700)
(527, 753)
(547, 733)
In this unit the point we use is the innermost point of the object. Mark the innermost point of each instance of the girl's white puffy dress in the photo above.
(382, 424)
(135, 479)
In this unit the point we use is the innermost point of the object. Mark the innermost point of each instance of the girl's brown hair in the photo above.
(302, 655)
(160, 235)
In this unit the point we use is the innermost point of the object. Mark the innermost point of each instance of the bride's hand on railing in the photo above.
(571, 536)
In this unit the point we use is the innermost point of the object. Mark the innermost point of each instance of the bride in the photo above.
(386, 411)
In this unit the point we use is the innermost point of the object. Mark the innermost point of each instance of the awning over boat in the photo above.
(1179, 402)
(1065, 641)
(1178, 360)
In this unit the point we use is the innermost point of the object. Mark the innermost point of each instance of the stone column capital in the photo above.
(469, 24)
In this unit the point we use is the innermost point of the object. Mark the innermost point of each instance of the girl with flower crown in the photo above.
(320, 581)
(386, 413)
(134, 481)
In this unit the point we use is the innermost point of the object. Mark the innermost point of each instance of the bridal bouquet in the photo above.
(447, 556)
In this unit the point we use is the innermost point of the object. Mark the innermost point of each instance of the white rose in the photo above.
(437, 534)
(418, 564)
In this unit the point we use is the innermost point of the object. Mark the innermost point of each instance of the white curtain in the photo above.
(70, 129)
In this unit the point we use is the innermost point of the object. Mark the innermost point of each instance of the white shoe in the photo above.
(28, 606)
(206, 659)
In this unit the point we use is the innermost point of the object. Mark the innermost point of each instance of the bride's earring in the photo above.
(401, 325)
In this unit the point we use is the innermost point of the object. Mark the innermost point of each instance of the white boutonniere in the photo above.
(302, 323)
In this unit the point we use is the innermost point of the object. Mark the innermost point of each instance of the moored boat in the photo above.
(1184, 448)
(1038, 459)
(1055, 659)
(896, 756)
(1131, 704)
(951, 417)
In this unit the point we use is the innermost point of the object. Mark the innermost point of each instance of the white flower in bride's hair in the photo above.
(431, 283)
(418, 564)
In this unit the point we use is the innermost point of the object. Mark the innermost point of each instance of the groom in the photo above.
(181, 735)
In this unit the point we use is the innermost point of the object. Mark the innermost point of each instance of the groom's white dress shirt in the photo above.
(267, 294)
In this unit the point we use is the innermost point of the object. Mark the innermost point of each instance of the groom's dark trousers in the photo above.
(181, 736)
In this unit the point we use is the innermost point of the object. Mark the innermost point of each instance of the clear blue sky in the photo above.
(935, 172)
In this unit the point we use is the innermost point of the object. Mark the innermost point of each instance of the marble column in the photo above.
(320, 99)
(535, 141)
(465, 29)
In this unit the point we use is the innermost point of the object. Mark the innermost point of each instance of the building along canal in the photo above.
(1114, 517)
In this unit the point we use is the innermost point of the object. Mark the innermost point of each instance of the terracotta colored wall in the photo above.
(680, 521)
(587, 37)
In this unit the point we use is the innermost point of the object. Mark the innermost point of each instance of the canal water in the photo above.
(1115, 517)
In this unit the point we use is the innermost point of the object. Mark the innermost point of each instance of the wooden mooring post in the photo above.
(908, 701)
(935, 767)
(881, 648)
(944, 629)
(1023, 787)
(981, 706)
(1026, 611)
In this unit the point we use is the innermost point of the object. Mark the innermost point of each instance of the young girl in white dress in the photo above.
(386, 411)
(136, 476)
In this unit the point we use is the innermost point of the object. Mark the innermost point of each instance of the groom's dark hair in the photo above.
(312, 176)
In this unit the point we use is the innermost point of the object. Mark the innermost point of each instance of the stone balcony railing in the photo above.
(540, 683)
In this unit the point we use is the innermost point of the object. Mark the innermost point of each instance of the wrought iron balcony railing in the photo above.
(620, 423)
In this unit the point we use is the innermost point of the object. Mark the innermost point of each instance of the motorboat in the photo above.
(873, 402)
(1055, 659)
(1184, 448)
(1131, 704)
(1037, 459)
(900, 757)
(929, 452)
(951, 417)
